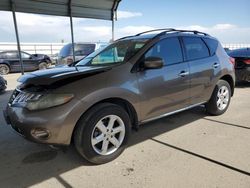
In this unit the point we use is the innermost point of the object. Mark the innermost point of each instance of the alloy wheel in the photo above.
(222, 97)
(108, 135)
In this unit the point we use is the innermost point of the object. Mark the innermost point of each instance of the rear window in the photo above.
(11, 55)
(80, 50)
(212, 45)
(84, 49)
(195, 48)
(65, 51)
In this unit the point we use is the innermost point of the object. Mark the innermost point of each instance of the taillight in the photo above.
(247, 61)
(232, 60)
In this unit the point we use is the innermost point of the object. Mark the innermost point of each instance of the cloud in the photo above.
(226, 33)
(127, 14)
(131, 30)
(41, 28)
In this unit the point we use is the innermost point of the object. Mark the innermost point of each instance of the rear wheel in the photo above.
(220, 98)
(102, 133)
(4, 69)
(42, 66)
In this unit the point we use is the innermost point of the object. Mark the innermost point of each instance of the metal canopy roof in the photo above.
(96, 9)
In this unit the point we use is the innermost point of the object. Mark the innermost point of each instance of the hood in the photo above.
(63, 75)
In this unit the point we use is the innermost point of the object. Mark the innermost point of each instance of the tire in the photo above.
(4, 69)
(87, 130)
(42, 66)
(222, 96)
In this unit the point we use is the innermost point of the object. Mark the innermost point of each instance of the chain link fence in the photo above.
(34, 48)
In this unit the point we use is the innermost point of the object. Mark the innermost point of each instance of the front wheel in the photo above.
(220, 98)
(102, 133)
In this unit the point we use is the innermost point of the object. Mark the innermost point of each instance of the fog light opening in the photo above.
(41, 134)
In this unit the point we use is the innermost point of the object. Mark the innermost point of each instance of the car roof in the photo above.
(241, 52)
(9, 51)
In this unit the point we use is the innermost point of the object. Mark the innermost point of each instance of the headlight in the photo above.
(33, 101)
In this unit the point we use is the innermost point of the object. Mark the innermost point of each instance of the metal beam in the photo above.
(71, 29)
(113, 30)
(17, 36)
(114, 17)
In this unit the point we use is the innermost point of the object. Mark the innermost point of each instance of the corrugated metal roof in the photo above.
(97, 9)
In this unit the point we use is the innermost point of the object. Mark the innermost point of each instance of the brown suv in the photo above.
(134, 80)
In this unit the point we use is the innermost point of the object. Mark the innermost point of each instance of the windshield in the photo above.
(115, 53)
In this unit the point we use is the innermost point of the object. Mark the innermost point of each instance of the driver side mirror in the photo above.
(153, 63)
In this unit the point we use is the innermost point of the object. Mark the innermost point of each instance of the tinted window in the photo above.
(84, 49)
(212, 45)
(3, 55)
(25, 55)
(80, 50)
(11, 55)
(65, 51)
(195, 48)
(168, 49)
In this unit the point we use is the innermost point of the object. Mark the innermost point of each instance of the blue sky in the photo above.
(227, 20)
(189, 12)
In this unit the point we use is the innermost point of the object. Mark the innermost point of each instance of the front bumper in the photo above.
(58, 122)
(243, 74)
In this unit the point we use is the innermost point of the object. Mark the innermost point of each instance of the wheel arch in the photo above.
(125, 104)
(230, 80)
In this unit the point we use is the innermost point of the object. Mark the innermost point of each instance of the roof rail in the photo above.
(164, 31)
(149, 31)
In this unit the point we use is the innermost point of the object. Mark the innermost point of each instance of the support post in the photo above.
(17, 36)
(71, 29)
(113, 29)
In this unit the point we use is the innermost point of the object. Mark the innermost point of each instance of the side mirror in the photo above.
(153, 63)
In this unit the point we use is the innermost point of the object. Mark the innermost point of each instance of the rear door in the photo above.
(29, 63)
(167, 89)
(204, 65)
(12, 58)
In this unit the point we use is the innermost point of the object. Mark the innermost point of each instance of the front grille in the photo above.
(14, 95)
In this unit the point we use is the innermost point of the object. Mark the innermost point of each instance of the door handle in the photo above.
(183, 73)
(216, 65)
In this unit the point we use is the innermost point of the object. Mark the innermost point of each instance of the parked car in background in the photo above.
(9, 61)
(132, 81)
(65, 56)
(242, 63)
(3, 84)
